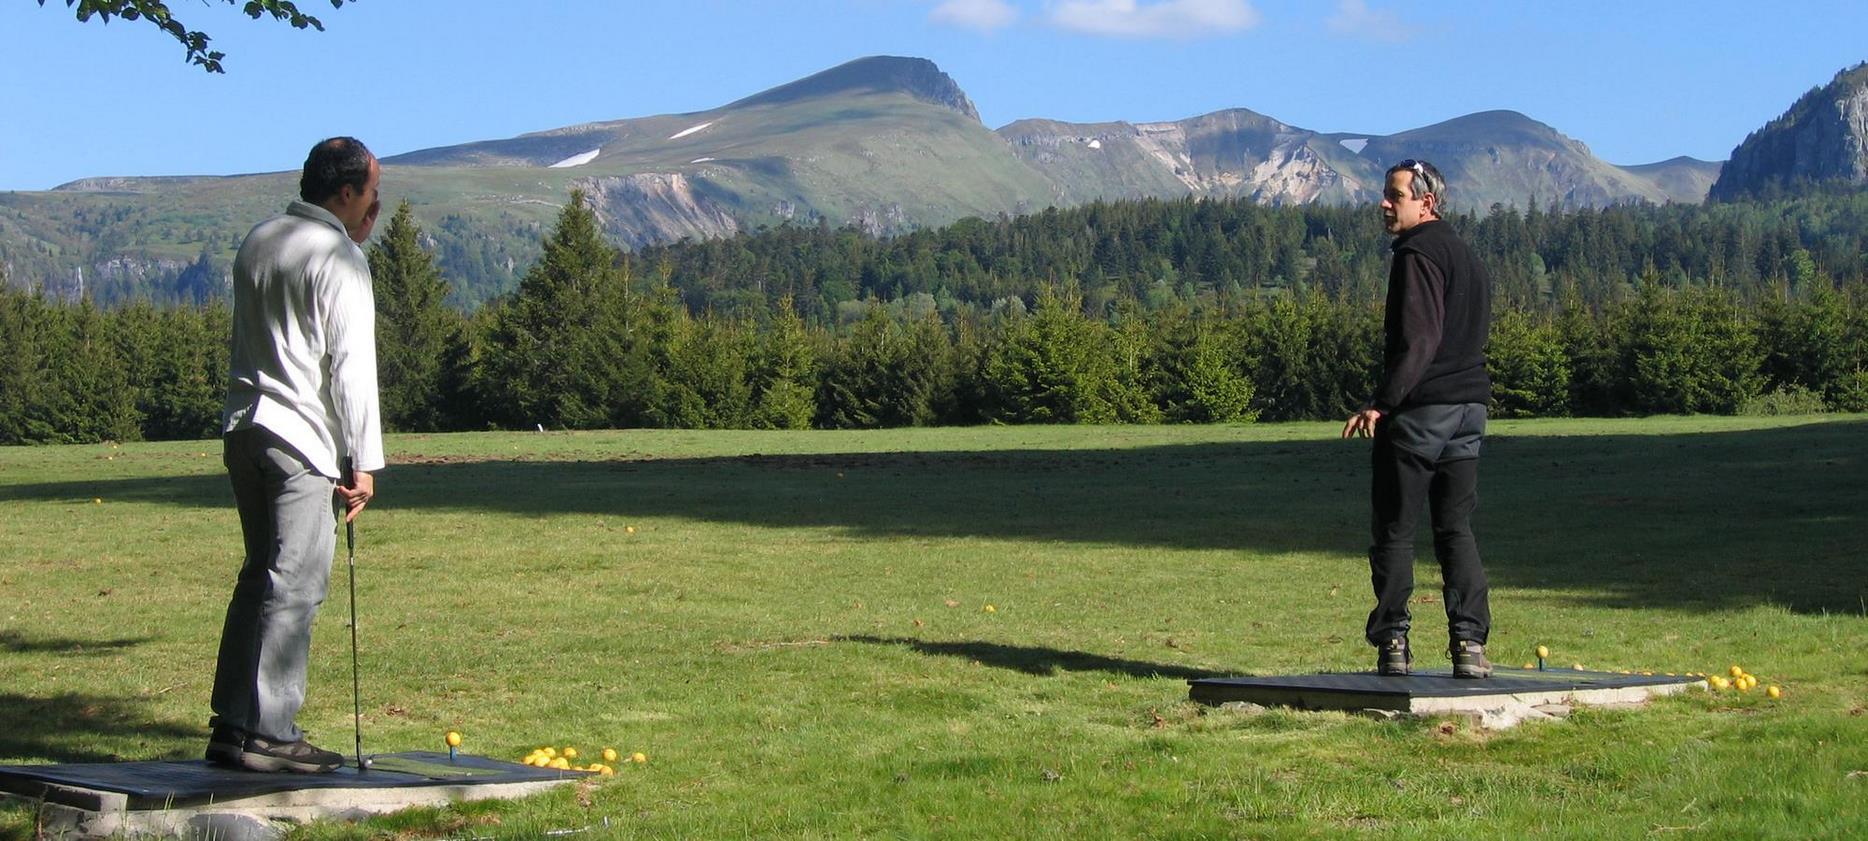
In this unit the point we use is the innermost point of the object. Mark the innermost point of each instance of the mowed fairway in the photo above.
(795, 627)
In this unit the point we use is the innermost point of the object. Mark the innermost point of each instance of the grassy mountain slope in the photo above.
(1683, 179)
(1503, 157)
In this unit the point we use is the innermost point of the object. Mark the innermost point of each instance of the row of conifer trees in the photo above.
(586, 341)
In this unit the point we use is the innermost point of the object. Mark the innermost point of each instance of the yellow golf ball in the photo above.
(1773, 692)
(1543, 651)
(453, 739)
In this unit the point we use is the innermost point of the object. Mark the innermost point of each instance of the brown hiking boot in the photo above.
(1469, 660)
(1393, 657)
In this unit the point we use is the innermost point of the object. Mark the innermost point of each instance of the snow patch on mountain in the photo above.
(578, 159)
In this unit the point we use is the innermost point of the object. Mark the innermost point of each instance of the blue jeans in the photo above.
(1428, 455)
(287, 518)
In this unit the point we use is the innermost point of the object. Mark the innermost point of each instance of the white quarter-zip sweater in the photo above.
(304, 341)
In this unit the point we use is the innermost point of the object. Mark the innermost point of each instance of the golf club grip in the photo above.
(347, 479)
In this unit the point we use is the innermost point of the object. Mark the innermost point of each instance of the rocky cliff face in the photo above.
(1495, 157)
(1233, 153)
(1821, 142)
(652, 207)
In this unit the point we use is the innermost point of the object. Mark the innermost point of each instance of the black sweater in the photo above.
(1439, 315)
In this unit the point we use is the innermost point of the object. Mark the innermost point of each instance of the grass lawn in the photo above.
(795, 628)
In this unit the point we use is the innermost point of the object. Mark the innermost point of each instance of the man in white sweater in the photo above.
(301, 430)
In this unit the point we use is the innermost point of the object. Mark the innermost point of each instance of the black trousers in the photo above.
(1428, 455)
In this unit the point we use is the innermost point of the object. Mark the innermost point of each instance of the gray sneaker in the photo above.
(1393, 657)
(299, 757)
(1469, 660)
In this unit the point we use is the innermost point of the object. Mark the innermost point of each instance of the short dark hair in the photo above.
(332, 164)
(1425, 178)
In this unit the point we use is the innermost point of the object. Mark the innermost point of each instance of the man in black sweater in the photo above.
(1427, 418)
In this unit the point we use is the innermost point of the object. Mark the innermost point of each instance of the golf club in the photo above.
(356, 682)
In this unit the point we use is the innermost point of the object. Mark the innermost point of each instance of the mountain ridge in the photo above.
(886, 143)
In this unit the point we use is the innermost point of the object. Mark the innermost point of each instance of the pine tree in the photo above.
(784, 373)
(89, 398)
(1530, 368)
(417, 335)
(25, 319)
(1055, 366)
(1194, 370)
(559, 352)
(706, 384)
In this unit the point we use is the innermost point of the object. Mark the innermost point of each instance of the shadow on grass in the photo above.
(1685, 521)
(16, 643)
(75, 727)
(1035, 660)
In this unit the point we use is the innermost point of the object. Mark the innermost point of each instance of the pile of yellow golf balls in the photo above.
(563, 759)
(1741, 681)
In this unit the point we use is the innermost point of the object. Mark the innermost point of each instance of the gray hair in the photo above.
(1426, 179)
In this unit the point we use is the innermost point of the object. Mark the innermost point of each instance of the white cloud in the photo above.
(983, 15)
(1159, 19)
(1355, 19)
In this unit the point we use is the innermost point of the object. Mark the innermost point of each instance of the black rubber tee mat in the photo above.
(188, 782)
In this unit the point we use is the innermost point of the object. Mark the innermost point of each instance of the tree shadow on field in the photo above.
(1036, 660)
(1687, 521)
(17, 643)
(78, 727)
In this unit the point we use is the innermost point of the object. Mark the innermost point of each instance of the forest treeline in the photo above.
(1132, 312)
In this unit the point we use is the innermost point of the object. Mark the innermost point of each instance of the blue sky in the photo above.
(1636, 81)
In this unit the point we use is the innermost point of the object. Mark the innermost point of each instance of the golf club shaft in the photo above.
(356, 683)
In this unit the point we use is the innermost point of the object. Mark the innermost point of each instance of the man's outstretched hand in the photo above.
(1362, 424)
